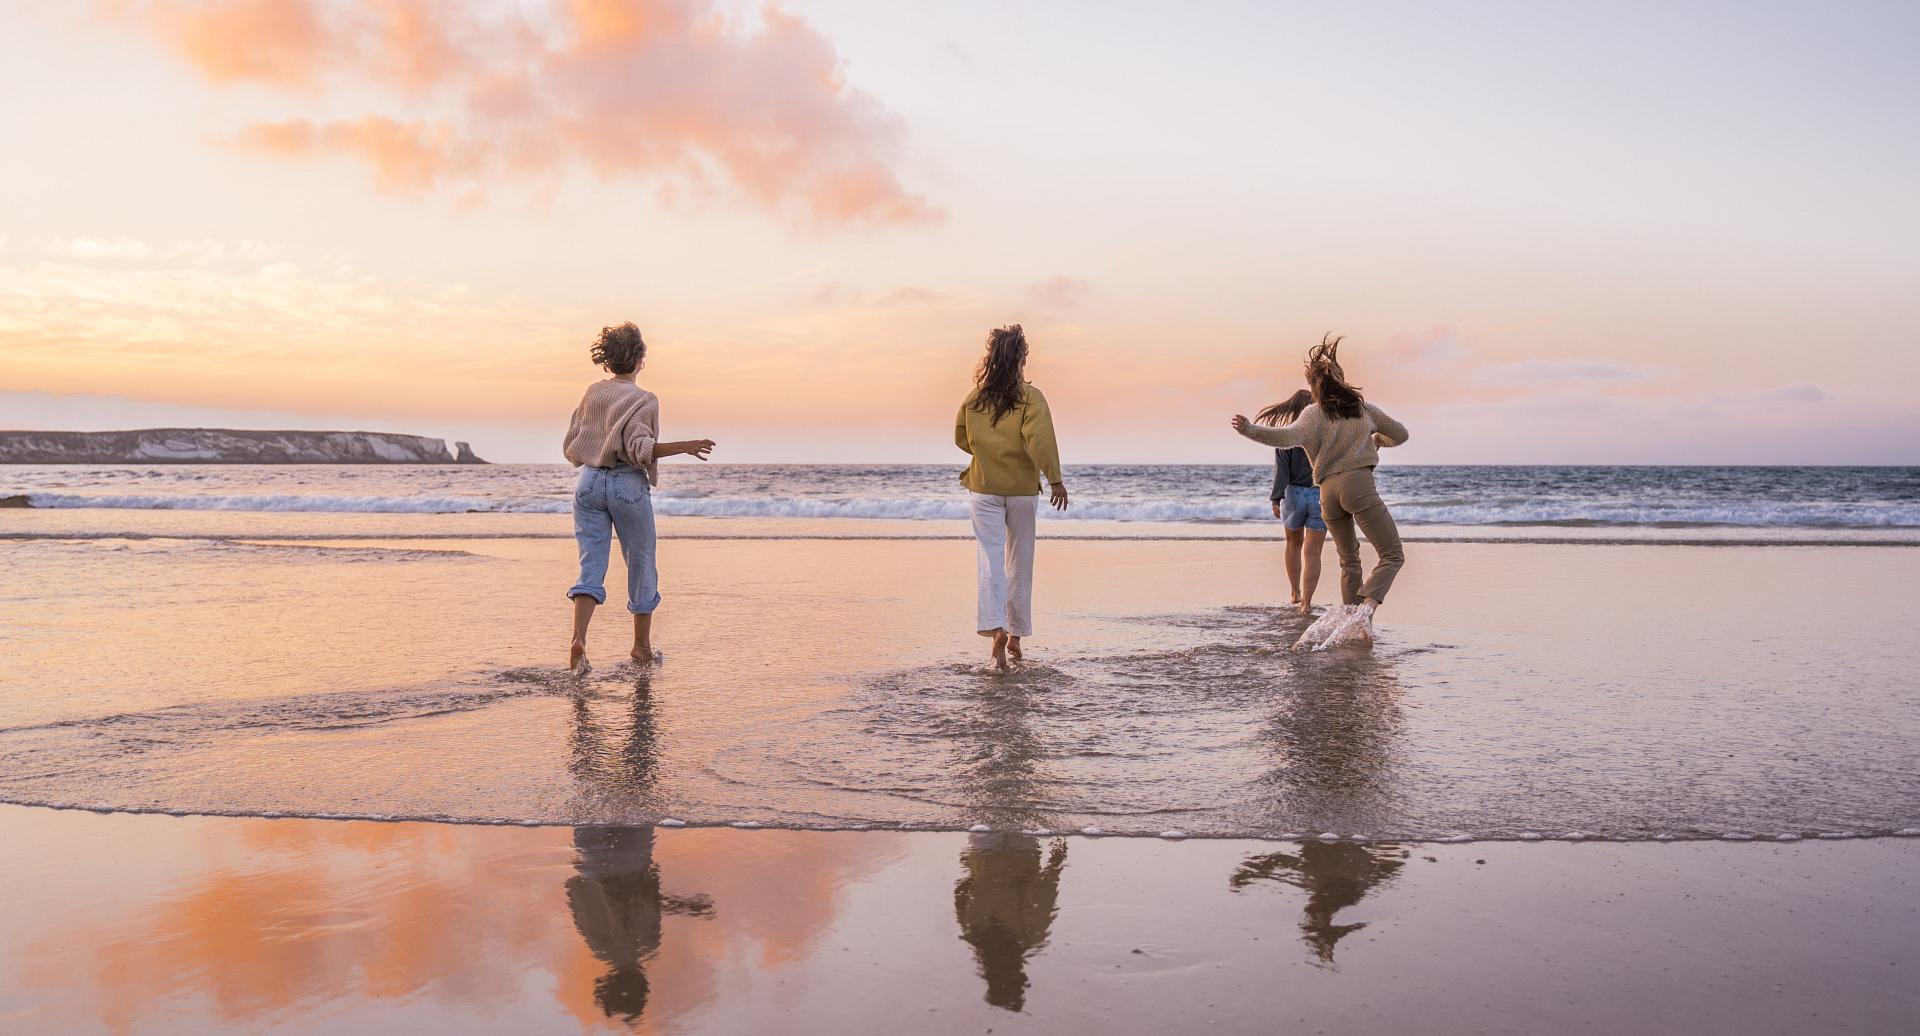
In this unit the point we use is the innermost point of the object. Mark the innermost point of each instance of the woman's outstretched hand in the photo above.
(1059, 496)
(696, 447)
(1240, 423)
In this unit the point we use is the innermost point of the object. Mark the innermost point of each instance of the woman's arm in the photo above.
(1387, 431)
(960, 437)
(1036, 427)
(684, 447)
(1284, 436)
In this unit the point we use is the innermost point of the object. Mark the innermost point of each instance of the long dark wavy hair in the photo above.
(1328, 382)
(997, 384)
(1286, 412)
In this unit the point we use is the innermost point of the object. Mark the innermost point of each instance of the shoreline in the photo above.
(929, 827)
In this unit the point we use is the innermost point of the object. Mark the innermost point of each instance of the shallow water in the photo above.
(1519, 689)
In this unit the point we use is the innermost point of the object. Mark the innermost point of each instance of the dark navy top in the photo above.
(1290, 468)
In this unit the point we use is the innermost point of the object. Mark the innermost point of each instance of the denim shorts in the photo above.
(1302, 509)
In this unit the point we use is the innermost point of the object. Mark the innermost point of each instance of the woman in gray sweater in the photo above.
(1342, 434)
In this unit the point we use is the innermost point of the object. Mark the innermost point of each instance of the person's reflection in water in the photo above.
(1334, 735)
(615, 770)
(615, 893)
(1006, 904)
(1335, 875)
(618, 905)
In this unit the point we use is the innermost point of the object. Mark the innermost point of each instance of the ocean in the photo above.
(1758, 499)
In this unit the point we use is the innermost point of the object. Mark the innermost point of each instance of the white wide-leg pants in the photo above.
(1004, 526)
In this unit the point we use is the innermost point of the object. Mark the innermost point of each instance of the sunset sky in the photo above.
(1601, 233)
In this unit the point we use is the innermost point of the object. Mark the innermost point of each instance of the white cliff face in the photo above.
(225, 446)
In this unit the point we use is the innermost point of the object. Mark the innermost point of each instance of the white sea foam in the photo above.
(915, 503)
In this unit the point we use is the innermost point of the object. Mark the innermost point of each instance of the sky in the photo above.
(1552, 233)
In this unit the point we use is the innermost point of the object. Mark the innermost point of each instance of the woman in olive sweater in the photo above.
(1005, 424)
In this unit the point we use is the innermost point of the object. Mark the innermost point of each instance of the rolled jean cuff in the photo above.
(644, 609)
(598, 593)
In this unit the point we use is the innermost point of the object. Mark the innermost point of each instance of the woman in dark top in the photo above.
(1296, 502)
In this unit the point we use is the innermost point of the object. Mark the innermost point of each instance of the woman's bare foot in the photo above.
(577, 657)
(1295, 599)
(1306, 607)
(1013, 648)
(1000, 649)
(644, 654)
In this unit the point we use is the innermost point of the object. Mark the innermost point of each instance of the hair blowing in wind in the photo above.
(997, 382)
(1328, 382)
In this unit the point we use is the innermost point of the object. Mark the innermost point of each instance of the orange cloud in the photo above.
(668, 91)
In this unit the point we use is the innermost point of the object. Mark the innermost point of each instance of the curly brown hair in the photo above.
(620, 350)
(997, 382)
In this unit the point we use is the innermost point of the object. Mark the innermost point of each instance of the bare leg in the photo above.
(583, 605)
(643, 638)
(1293, 562)
(999, 647)
(1312, 540)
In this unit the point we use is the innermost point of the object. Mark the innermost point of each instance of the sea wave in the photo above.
(697, 504)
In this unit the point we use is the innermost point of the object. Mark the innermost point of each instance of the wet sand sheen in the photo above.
(1625, 691)
(338, 926)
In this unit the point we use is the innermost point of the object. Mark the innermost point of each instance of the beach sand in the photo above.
(1712, 749)
(189, 925)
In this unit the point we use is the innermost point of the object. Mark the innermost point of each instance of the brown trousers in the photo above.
(1349, 498)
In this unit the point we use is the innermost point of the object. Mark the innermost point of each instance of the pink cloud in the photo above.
(1059, 292)
(665, 91)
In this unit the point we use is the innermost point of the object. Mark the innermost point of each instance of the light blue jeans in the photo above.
(607, 501)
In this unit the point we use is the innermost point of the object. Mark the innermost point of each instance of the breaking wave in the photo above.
(1453, 511)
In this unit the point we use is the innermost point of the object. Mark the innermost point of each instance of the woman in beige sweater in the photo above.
(1005, 424)
(1342, 434)
(614, 438)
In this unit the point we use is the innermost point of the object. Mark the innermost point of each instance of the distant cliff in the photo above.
(227, 446)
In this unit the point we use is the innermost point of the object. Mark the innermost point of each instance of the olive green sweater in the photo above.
(1334, 444)
(1011, 454)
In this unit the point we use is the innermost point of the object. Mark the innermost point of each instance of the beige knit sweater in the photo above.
(1334, 444)
(616, 423)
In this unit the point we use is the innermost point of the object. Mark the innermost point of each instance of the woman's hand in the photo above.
(1240, 423)
(699, 447)
(1276, 511)
(1059, 497)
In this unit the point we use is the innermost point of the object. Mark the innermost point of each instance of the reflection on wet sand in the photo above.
(617, 905)
(1335, 875)
(1332, 735)
(270, 924)
(997, 764)
(614, 752)
(1006, 903)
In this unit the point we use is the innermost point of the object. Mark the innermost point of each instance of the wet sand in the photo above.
(187, 925)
